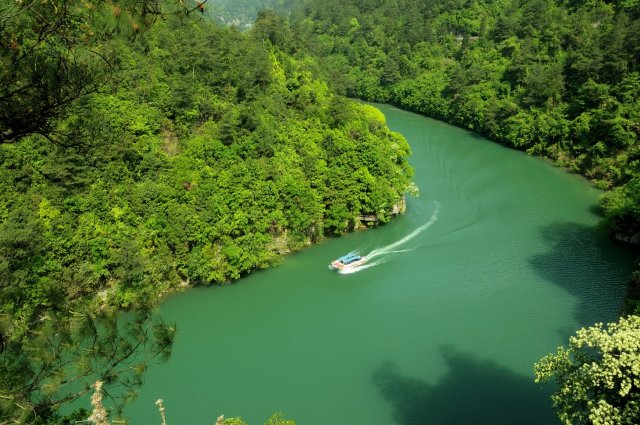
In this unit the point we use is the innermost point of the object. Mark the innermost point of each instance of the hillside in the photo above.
(243, 13)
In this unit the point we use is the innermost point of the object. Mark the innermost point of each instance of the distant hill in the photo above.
(242, 13)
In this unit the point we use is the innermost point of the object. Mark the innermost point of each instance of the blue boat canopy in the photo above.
(349, 258)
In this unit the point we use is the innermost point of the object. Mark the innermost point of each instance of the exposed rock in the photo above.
(398, 208)
(368, 218)
(280, 243)
(170, 144)
(634, 239)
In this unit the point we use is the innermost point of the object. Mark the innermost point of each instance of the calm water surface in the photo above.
(493, 266)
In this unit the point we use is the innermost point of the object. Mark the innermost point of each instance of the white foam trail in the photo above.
(398, 251)
(390, 248)
(357, 269)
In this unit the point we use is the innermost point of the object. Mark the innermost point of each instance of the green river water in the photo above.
(493, 266)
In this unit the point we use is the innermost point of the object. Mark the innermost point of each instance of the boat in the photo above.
(348, 261)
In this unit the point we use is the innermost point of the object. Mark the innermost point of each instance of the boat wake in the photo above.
(357, 269)
(382, 255)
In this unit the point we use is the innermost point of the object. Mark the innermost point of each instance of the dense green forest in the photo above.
(558, 79)
(195, 170)
(161, 151)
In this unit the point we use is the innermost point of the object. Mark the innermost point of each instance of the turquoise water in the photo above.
(495, 264)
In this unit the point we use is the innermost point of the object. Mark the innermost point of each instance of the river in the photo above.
(495, 264)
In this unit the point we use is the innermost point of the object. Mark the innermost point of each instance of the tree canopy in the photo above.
(597, 375)
(144, 149)
(55, 52)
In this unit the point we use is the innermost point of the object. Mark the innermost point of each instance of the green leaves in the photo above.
(279, 419)
(622, 209)
(597, 375)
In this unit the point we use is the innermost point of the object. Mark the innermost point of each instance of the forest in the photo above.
(183, 154)
(145, 148)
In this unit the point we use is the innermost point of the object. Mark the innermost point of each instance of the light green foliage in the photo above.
(212, 156)
(279, 419)
(598, 375)
(232, 421)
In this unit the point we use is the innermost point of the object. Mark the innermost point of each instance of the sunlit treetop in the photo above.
(54, 52)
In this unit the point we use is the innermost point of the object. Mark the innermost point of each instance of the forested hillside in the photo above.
(211, 155)
(557, 79)
(168, 152)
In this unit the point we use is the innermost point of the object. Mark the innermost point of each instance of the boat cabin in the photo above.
(349, 258)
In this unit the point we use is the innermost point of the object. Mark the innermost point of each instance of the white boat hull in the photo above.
(338, 265)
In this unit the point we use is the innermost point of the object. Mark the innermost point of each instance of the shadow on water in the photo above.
(596, 209)
(584, 262)
(473, 392)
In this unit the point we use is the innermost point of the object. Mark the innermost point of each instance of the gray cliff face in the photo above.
(400, 207)
(634, 239)
(368, 220)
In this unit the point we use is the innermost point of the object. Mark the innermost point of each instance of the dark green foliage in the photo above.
(55, 52)
(622, 209)
(632, 298)
(555, 79)
(270, 26)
